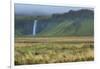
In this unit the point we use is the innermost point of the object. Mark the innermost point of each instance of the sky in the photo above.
(35, 9)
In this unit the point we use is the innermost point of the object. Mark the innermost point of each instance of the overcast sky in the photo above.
(34, 9)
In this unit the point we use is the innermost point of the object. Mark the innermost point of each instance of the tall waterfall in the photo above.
(34, 27)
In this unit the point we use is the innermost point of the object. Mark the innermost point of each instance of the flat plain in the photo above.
(45, 50)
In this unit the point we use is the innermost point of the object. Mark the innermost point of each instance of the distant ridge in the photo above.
(72, 23)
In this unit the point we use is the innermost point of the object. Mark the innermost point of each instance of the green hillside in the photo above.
(69, 27)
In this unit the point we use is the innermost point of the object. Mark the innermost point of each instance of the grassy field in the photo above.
(41, 50)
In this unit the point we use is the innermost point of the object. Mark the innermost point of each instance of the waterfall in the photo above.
(34, 27)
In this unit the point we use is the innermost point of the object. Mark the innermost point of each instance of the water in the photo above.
(34, 27)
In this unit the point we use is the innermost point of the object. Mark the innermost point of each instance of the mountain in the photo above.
(72, 23)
